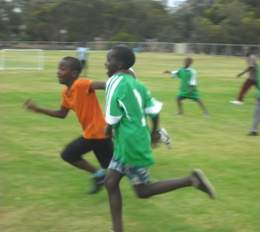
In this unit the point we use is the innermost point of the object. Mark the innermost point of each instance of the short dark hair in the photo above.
(73, 63)
(188, 58)
(125, 55)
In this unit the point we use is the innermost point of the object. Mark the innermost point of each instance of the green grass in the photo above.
(41, 193)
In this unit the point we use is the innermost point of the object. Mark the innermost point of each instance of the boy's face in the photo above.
(187, 62)
(112, 64)
(65, 75)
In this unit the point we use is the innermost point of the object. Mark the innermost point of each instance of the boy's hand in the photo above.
(109, 131)
(155, 137)
(29, 105)
(191, 88)
(167, 72)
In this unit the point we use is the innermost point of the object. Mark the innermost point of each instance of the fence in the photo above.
(152, 46)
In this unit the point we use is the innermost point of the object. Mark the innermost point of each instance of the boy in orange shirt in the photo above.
(79, 96)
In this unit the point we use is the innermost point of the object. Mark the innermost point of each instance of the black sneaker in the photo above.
(201, 182)
(98, 183)
(253, 133)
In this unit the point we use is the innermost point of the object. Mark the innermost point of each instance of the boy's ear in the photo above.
(75, 73)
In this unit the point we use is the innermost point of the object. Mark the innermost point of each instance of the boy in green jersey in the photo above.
(256, 117)
(128, 102)
(188, 86)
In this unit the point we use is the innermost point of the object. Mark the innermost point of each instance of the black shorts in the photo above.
(191, 98)
(102, 148)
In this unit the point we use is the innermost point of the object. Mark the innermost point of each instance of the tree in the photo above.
(11, 19)
(85, 20)
(218, 21)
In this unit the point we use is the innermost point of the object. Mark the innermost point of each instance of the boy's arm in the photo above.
(61, 113)
(109, 131)
(173, 73)
(193, 80)
(152, 109)
(155, 136)
(97, 85)
(191, 88)
(167, 72)
(245, 71)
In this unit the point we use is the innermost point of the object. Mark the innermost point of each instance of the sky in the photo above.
(174, 2)
(171, 3)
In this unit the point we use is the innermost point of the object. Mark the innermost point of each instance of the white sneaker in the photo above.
(236, 102)
(165, 138)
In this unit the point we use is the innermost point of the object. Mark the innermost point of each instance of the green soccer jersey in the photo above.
(188, 78)
(127, 104)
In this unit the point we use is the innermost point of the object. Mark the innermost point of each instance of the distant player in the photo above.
(128, 102)
(251, 69)
(188, 86)
(256, 117)
(79, 96)
(82, 53)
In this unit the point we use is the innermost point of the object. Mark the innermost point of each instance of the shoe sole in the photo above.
(203, 179)
(237, 103)
(252, 134)
(97, 189)
(98, 185)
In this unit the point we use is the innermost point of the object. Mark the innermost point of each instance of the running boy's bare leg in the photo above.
(244, 89)
(202, 106)
(74, 151)
(197, 179)
(148, 190)
(180, 107)
(84, 165)
(112, 181)
(103, 150)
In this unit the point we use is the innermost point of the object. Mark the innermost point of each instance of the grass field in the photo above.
(41, 193)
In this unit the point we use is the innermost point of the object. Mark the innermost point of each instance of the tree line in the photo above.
(195, 21)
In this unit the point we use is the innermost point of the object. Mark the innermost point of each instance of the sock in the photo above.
(99, 173)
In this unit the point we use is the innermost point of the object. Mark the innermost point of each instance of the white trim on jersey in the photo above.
(111, 120)
(174, 73)
(124, 108)
(111, 86)
(193, 80)
(155, 108)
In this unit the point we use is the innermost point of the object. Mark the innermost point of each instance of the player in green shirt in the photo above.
(188, 87)
(128, 102)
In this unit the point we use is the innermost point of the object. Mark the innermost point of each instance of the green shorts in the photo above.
(194, 95)
(189, 94)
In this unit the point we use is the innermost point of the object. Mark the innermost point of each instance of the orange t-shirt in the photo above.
(83, 101)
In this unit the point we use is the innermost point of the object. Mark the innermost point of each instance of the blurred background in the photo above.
(41, 193)
(199, 26)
